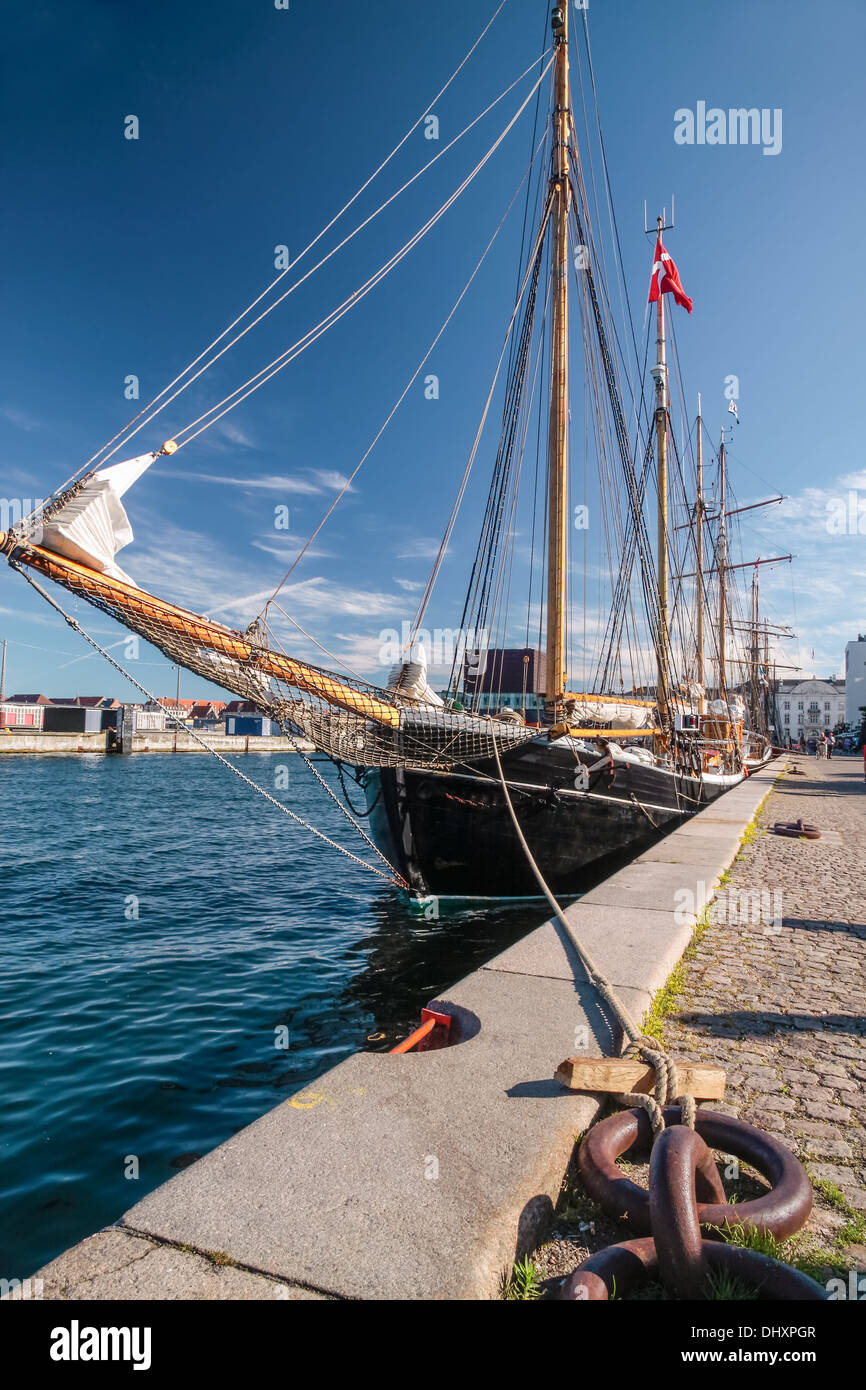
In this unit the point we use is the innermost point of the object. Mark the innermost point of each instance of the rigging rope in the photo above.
(434, 574)
(393, 877)
(253, 383)
(413, 378)
(316, 239)
(347, 813)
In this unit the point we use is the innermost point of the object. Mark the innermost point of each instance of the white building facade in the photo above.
(855, 679)
(808, 708)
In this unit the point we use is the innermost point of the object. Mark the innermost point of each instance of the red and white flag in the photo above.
(670, 279)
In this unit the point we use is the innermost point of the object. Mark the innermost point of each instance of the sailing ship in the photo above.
(609, 766)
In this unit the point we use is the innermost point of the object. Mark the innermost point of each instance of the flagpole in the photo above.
(670, 282)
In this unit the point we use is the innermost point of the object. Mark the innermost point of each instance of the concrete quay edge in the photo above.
(423, 1176)
(30, 744)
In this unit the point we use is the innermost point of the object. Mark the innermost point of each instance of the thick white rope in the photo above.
(649, 1049)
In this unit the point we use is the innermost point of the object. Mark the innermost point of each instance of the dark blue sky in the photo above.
(127, 257)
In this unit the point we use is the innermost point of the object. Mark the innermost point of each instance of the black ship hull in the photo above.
(450, 833)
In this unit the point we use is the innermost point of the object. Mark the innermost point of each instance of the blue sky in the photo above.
(127, 257)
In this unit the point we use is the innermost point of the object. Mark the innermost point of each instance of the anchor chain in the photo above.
(682, 1219)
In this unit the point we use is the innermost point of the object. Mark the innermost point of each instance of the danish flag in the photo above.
(670, 281)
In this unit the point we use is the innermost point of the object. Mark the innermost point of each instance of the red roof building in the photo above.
(207, 709)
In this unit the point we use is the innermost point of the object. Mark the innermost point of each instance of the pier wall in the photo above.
(150, 741)
(423, 1176)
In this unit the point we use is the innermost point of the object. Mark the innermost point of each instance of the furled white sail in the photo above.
(601, 710)
(734, 709)
(93, 526)
(410, 677)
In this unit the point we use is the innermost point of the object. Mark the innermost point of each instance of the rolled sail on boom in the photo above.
(348, 719)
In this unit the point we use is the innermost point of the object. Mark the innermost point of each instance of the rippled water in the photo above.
(154, 1035)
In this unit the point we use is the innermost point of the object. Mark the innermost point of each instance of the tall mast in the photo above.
(659, 372)
(557, 490)
(3, 673)
(723, 559)
(699, 548)
(755, 653)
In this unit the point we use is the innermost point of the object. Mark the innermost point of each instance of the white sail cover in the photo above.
(601, 710)
(93, 526)
(734, 710)
(409, 677)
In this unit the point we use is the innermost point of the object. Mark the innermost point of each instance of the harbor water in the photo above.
(177, 958)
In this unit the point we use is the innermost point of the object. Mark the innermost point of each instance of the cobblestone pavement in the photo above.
(775, 991)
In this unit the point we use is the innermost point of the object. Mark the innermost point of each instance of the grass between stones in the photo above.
(580, 1228)
(664, 1002)
(214, 1257)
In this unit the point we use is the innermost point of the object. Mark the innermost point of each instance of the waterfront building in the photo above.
(855, 680)
(71, 719)
(252, 725)
(808, 708)
(507, 678)
(19, 713)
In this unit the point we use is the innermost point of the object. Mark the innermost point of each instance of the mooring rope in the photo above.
(393, 877)
(648, 1049)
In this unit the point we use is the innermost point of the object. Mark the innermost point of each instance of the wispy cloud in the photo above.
(284, 548)
(235, 435)
(420, 548)
(271, 483)
(20, 419)
(317, 598)
(330, 479)
(323, 596)
(823, 592)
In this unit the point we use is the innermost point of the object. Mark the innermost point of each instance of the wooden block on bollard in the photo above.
(625, 1074)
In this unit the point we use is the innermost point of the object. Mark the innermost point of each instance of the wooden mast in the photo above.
(723, 559)
(699, 561)
(659, 372)
(557, 489)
